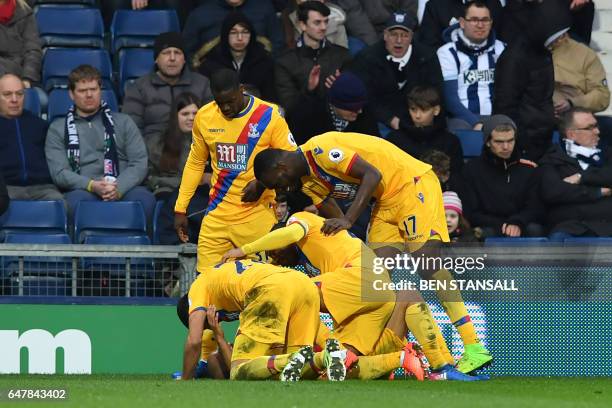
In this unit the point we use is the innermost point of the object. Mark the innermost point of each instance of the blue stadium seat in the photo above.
(47, 217)
(556, 137)
(55, 32)
(31, 102)
(66, 3)
(36, 238)
(37, 265)
(590, 241)
(58, 62)
(134, 63)
(471, 142)
(125, 218)
(60, 102)
(158, 207)
(117, 240)
(138, 28)
(518, 241)
(42, 285)
(355, 45)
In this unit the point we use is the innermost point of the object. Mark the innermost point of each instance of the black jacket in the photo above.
(257, 69)
(418, 141)
(525, 81)
(22, 150)
(438, 15)
(496, 191)
(312, 117)
(386, 100)
(576, 208)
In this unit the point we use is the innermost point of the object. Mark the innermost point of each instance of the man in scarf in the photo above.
(576, 179)
(96, 154)
(468, 67)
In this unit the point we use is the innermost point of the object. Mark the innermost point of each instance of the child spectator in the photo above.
(459, 229)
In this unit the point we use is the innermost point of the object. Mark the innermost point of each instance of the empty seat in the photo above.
(54, 32)
(515, 241)
(31, 102)
(138, 28)
(47, 217)
(125, 218)
(60, 102)
(471, 142)
(158, 207)
(58, 62)
(134, 63)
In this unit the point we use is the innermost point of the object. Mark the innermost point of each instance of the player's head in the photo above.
(182, 310)
(227, 92)
(277, 171)
(287, 256)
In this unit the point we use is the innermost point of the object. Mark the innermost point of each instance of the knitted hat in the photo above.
(489, 124)
(405, 21)
(452, 202)
(167, 40)
(348, 92)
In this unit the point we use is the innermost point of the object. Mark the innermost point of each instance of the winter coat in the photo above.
(131, 153)
(379, 74)
(257, 68)
(159, 180)
(20, 46)
(22, 150)
(293, 68)
(496, 191)
(576, 208)
(441, 14)
(149, 100)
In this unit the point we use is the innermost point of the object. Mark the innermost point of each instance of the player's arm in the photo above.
(329, 208)
(191, 179)
(369, 177)
(276, 239)
(212, 318)
(193, 344)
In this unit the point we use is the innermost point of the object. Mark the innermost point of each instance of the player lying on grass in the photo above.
(408, 213)
(366, 321)
(279, 318)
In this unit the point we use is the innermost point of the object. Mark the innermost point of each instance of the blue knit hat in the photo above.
(348, 92)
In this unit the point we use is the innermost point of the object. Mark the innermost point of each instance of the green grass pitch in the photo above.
(150, 391)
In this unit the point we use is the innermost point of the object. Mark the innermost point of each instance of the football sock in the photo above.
(388, 343)
(452, 302)
(209, 344)
(425, 329)
(371, 367)
(260, 368)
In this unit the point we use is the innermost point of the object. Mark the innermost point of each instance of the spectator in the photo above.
(4, 197)
(281, 208)
(576, 179)
(108, 7)
(428, 129)
(343, 110)
(149, 99)
(468, 67)
(167, 157)
(22, 146)
(392, 67)
(440, 164)
(441, 14)
(298, 71)
(95, 154)
(336, 33)
(580, 77)
(240, 51)
(204, 23)
(459, 229)
(500, 192)
(524, 81)
(21, 48)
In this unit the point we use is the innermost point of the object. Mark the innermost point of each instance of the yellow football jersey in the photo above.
(226, 285)
(329, 253)
(331, 155)
(232, 146)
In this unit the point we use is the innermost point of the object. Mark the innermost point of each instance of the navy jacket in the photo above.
(22, 150)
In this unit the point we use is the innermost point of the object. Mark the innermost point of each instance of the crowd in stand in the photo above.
(515, 70)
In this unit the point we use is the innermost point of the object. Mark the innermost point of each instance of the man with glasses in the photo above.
(500, 194)
(468, 67)
(22, 146)
(577, 179)
(392, 67)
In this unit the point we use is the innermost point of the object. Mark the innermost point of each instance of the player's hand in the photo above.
(212, 317)
(252, 191)
(181, 226)
(335, 225)
(235, 253)
(511, 230)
